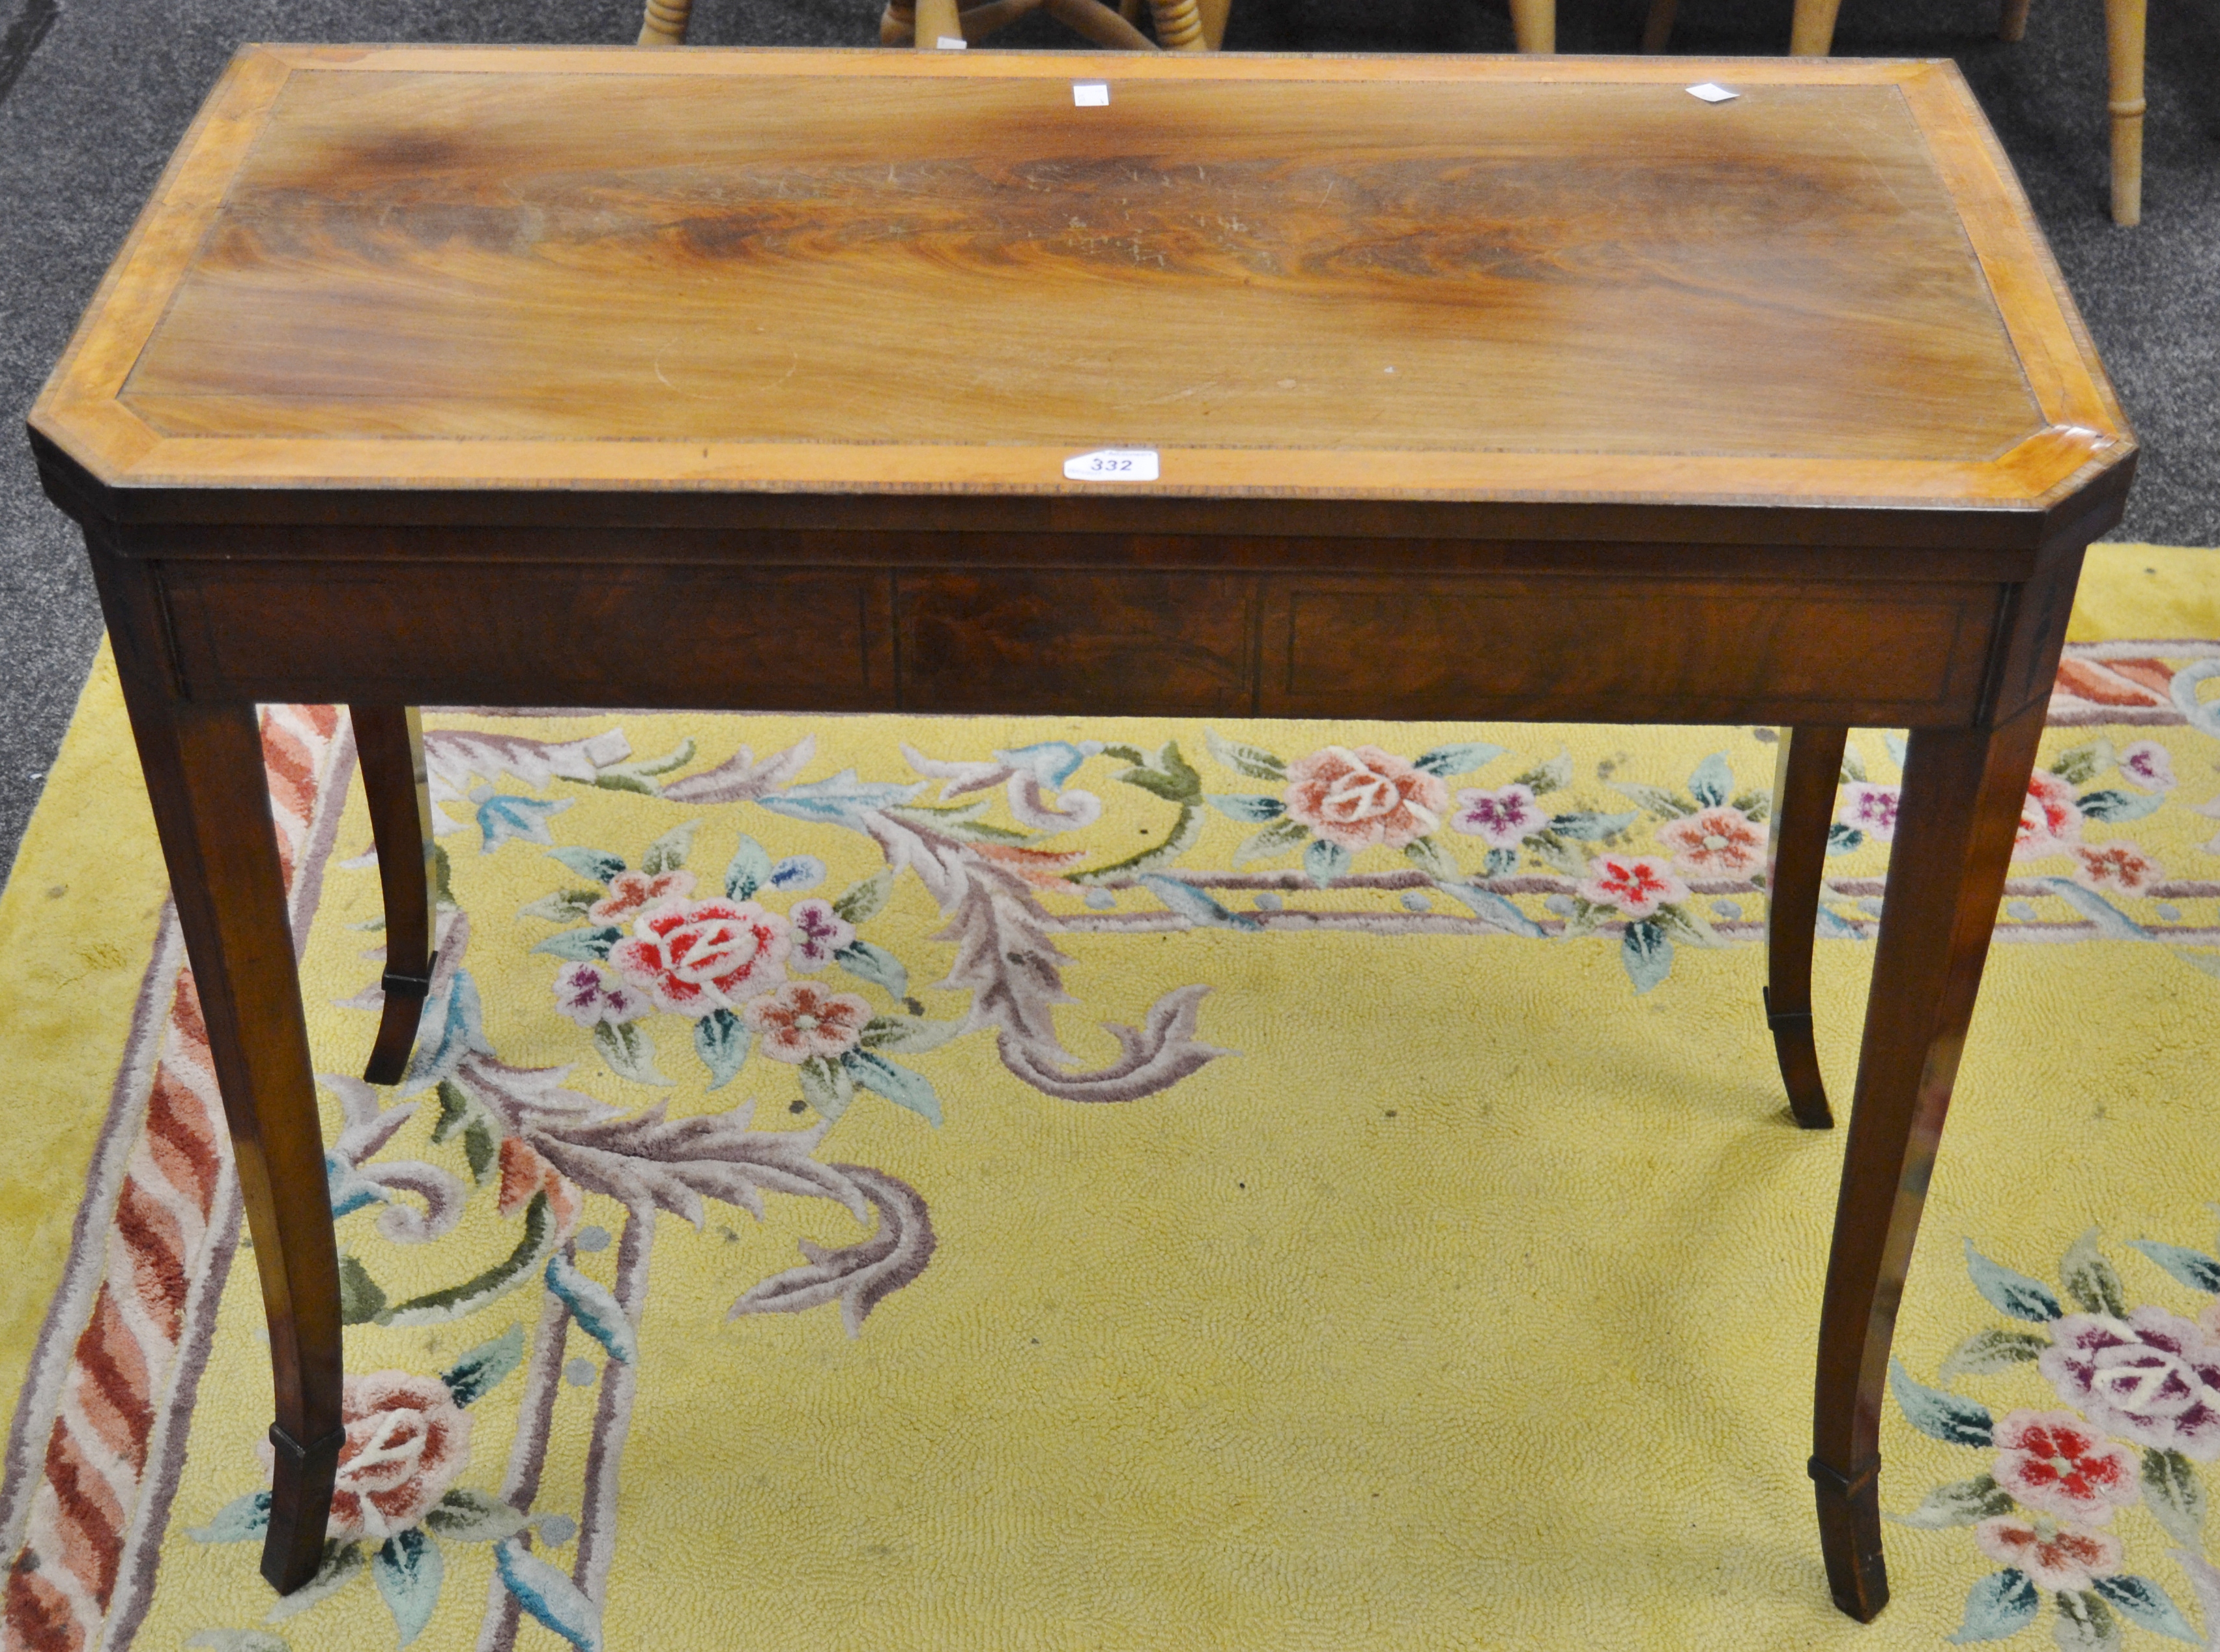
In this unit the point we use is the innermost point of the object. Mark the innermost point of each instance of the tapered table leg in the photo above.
(1809, 765)
(390, 748)
(1963, 791)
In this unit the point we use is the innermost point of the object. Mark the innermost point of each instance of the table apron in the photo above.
(1152, 642)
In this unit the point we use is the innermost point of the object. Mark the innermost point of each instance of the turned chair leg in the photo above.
(1809, 763)
(2012, 26)
(664, 23)
(1811, 31)
(1179, 25)
(1534, 25)
(1657, 28)
(390, 747)
(2124, 55)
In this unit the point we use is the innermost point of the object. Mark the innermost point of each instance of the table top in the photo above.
(405, 271)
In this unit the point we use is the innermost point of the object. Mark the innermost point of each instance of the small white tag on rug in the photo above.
(1113, 464)
(951, 43)
(1711, 92)
(1090, 94)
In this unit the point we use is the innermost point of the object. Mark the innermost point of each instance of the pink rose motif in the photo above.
(1716, 842)
(2119, 866)
(2149, 765)
(407, 1439)
(2048, 820)
(2064, 1560)
(2153, 1378)
(699, 956)
(801, 1019)
(1870, 809)
(819, 932)
(1504, 817)
(582, 994)
(1637, 884)
(632, 892)
(1358, 798)
(2055, 1464)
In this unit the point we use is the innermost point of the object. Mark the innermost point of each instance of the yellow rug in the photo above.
(1126, 1185)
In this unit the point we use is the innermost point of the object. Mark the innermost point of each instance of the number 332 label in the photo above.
(1113, 464)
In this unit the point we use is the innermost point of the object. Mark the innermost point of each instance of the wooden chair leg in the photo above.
(1215, 13)
(1657, 28)
(1812, 32)
(1806, 770)
(1179, 25)
(2012, 25)
(664, 23)
(1534, 25)
(2124, 57)
(203, 766)
(1963, 791)
(936, 20)
(390, 749)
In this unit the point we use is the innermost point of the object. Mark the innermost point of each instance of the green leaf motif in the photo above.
(1987, 1352)
(2089, 1280)
(1253, 760)
(639, 776)
(668, 852)
(471, 1517)
(2175, 1496)
(1647, 954)
(1272, 841)
(1324, 861)
(1586, 826)
(503, 816)
(453, 1302)
(565, 906)
(1429, 857)
(1487, 905)
(408, 1571)
(2144, 1604)
(960, 822)
(2193, 1267)
(2119, 806)
(1461, 759)
(721, 1040)
(1754, 806)
(748, 871)
(236, 1521)
(1854, 764)
(908, 1035)
(2009, 1292)
(594, 1308)
(2003, 1602)
(1682, 922)
(598, 864)
(1195, 905)
(361, 1298)
(861, 902)
(1713, 782)
(481, 1149)
(1247, 807)
(588, 946)
(1502, 862)
(549, 1596)
(1944, 1417)
(1962, 1503)
(2082, 763)
(826, 1086)
(2085, 1624)
(1557, 855)
(470, 1377)
(629, 1052)
(342, 1564)
(1551, 777)
(899, 1085)
(1655, 799)
(1844, 839)
(877, 965)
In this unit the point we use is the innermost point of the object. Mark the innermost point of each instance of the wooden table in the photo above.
(1480, 389)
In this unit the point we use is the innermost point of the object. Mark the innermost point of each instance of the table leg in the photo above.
(1809, 765)
(1963, 791)
(390, 748)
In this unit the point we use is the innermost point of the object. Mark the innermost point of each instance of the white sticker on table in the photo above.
(1113, 464)
(951, 43)
(1090, 94)
(1711, 92)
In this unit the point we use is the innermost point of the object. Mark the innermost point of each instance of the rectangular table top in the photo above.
(414, 269)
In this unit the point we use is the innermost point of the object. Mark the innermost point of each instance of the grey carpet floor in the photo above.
(95, 93)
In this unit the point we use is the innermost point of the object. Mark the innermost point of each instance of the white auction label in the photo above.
(951, 43)
(1113, 464)
(1090, 94)
(1711, 92)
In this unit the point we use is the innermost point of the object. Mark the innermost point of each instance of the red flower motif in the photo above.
(632, 892)
(2056, 1463)
(700, 956)
(2048, 820)
(801, 1019)
(1637, 884)
(1717, 841)
(2063, 1561)
(2120, 866)
(406, 1441)
(1360, 798)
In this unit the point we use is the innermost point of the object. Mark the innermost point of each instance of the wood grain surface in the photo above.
(1290, 276)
